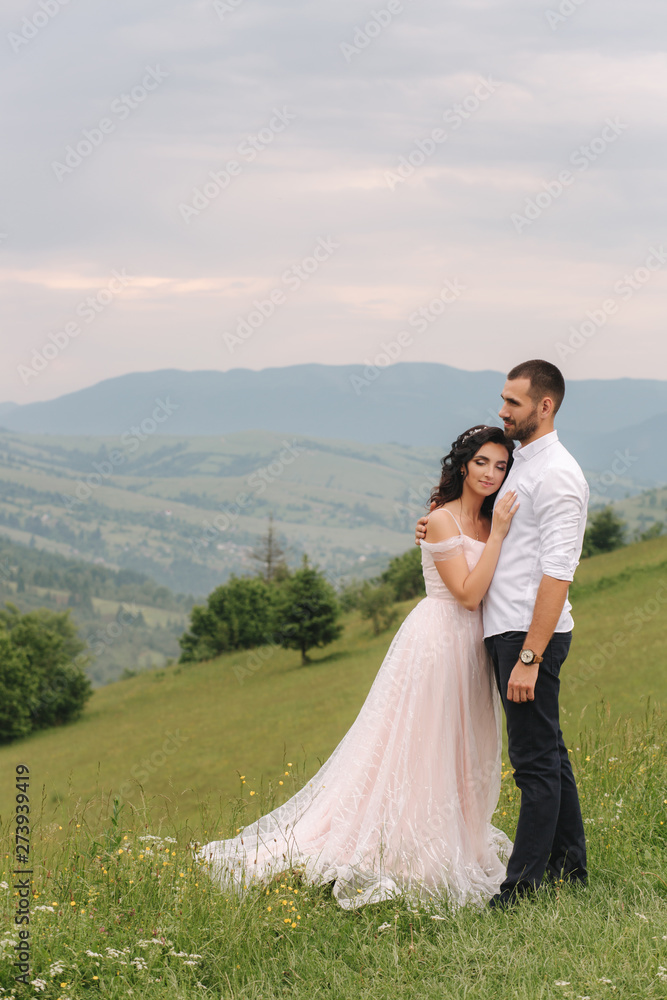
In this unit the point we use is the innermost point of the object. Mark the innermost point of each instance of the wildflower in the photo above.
(437, 918)
(563, 982)
(641, 916)
(4, 885)
(383, 927)
(94, 954)
(603, 980)
(39, 984)
(49, 908)
(662, 973)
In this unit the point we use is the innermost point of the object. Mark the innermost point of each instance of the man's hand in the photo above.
(420, 530)
(521, 686)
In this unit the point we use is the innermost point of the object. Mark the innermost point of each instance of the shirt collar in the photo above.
(528, 451)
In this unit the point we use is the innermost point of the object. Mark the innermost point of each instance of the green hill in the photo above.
(187, 732)
(128, 621)
(189, 511)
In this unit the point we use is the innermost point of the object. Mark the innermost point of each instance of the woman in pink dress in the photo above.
(404, 803)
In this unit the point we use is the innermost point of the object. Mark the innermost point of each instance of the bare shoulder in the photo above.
(441, 525)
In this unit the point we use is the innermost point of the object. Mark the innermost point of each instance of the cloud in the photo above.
(227, 71)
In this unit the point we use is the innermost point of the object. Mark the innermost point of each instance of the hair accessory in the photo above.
(473, 430)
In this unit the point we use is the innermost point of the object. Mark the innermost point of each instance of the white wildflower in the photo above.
(612, 759)
(603, 980)
(436, 917)
(383, 927)
(49, 909)
(139, 963)
(641, 916)
(189, 962)
(563, 982)
(662, 973)
(56, 969)
(94, 954)
(39, 984)
(4, 885)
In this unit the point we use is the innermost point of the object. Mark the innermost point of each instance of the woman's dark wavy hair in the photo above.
(463, 450)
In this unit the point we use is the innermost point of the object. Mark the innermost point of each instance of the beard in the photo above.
(525, 429)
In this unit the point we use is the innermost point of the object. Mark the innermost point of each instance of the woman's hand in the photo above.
(503, 511)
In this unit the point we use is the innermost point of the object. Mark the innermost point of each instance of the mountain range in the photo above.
(613, 427)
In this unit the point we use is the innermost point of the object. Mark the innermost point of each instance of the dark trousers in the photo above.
(550, 833)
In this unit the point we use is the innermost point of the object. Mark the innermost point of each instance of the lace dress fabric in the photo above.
(403, 805)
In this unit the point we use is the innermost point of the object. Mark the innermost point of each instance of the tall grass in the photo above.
(116, 915)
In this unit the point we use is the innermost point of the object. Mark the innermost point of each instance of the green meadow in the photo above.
(191, 753)
(248, 712)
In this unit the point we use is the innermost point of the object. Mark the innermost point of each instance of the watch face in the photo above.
(526, 655)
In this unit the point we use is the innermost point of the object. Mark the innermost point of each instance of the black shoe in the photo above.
(510, 897)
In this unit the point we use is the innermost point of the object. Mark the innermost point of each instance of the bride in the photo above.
(403, 805)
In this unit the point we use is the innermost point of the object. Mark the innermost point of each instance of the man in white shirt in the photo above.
(528, 630)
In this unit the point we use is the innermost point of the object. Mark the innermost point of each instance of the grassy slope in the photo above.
(351, 488)
(230, 725)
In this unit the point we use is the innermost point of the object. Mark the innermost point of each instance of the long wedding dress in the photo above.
(403, 805)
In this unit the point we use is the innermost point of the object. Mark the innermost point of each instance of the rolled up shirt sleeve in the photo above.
(560, 506)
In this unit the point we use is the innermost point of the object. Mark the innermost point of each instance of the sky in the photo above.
(222, 184)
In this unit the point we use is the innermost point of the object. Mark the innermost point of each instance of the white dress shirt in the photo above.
(545, 537)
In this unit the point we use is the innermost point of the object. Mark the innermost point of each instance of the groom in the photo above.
(528, 629)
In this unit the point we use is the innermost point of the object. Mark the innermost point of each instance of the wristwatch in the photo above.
(528, 657)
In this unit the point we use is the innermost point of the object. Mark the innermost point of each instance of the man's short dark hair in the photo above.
(545, 380)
